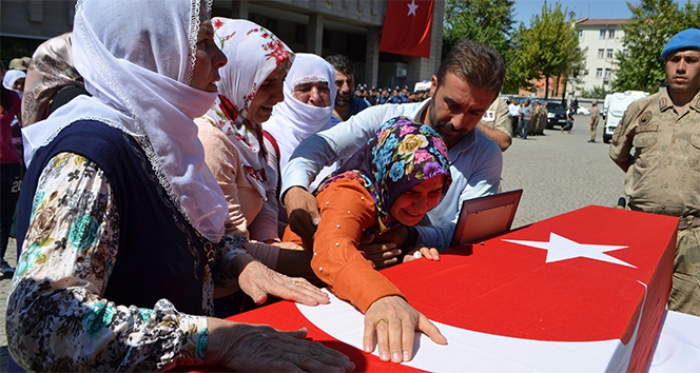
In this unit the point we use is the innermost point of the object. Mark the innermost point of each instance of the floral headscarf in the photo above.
(253, 54)
(401, 156)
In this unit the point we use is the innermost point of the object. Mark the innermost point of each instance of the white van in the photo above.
(618, 104)
(606, 105)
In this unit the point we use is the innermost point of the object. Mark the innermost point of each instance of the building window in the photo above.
(611, 34)
(599, 73)
(602, 34)
(300, 34)
(610, 53)
(607, 73)
(601, 52)
(580, 34)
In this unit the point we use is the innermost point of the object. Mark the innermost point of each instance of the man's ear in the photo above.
(433, 85)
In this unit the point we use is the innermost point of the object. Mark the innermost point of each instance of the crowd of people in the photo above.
(173, 170)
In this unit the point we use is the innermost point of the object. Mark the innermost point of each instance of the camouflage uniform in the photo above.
(497, 118)
(535, 121)
(595, 117)
(543, 123)
(664, 178)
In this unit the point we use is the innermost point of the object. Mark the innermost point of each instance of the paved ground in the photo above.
(558, 172)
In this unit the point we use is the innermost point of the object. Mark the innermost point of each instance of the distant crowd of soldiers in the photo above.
(391, 96)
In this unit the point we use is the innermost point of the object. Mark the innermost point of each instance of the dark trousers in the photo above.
(514, 125)
(10, 184)
(523, 128)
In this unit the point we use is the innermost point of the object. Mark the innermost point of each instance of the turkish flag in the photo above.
(580, 292)
(408, 27)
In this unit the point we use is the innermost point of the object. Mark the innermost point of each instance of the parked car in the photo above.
(583, 111)
(556, 114)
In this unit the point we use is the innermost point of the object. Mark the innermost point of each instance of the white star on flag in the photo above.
(561, 248)
(412, 8)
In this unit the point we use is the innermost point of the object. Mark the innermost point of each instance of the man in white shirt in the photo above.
(514, 111)
(467, 82)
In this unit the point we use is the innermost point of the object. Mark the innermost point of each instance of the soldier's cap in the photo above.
(684, 40)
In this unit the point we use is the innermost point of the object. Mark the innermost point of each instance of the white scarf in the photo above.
(253, 54)
(9, 80)
(138, 70)
(293, 121)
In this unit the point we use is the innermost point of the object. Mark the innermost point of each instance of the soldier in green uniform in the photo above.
(496, 124)
(535, 121)
(543, 117)
(663, 174)
(595, 115)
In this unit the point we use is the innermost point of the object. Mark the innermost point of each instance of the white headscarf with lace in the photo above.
(138, 75)
(293, 121)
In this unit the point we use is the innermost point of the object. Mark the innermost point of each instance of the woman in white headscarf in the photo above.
(309, 94)
(14, 81)
(121, 223)
(231, 132)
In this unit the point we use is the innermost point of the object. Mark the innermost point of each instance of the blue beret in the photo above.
(686, 39)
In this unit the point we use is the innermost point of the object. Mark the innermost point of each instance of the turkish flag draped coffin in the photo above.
(585, 291)
(408, 26)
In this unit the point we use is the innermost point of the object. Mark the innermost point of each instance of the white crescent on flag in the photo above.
(470, 351)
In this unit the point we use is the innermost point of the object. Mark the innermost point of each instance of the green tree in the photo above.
(653, 23)
(598, 92)
(487, 21)
(549, 48)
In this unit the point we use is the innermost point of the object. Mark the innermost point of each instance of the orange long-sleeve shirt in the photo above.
(347, 210)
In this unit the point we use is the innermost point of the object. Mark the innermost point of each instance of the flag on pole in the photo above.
(408, 26)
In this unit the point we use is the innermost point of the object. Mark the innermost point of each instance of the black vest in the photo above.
(160, 254)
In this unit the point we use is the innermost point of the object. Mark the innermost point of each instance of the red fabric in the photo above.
(508, 289)
(405, 33)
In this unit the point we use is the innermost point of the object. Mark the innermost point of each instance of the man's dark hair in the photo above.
(342, 63)
(476, 63)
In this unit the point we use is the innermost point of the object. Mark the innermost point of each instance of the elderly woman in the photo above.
(231, 132)
(309, 93)
(121, 223)
(393, 181)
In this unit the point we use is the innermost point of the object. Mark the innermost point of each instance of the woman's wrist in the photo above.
(411, 240)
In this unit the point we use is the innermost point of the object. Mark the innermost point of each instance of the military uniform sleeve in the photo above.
(57, 318)
(623, 137)
(346, 211)
(502, 122)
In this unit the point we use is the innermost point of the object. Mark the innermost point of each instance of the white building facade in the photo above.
(603, 39)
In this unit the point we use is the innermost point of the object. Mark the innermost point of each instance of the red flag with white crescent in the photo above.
(408, 26)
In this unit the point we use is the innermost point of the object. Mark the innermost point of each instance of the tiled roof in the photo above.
(597, 22)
